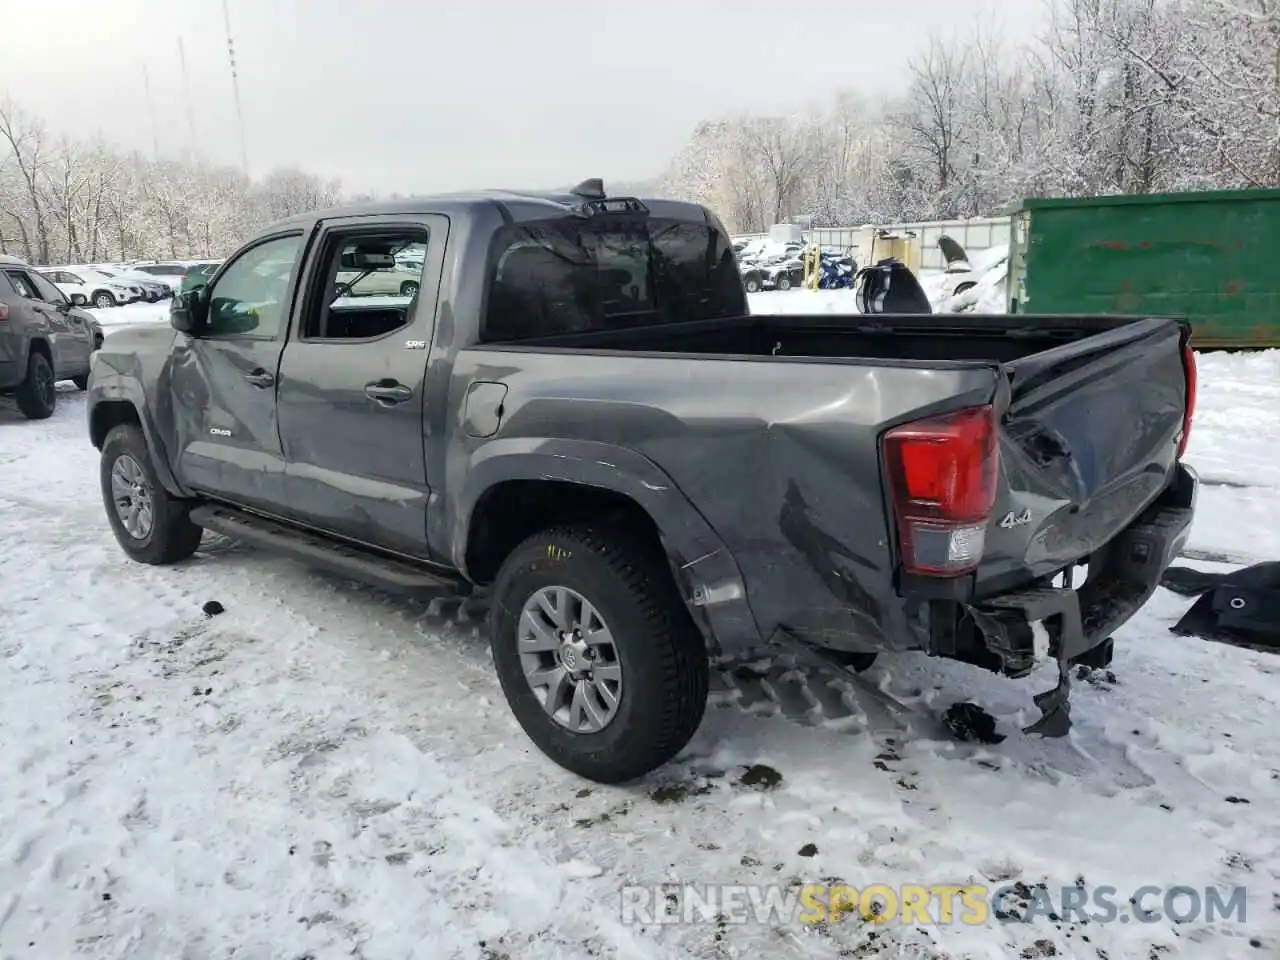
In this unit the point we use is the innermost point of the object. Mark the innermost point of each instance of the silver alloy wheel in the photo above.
(131, 494)
(569, 659)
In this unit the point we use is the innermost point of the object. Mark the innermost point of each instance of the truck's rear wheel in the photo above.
(150, 525)
(596, 653)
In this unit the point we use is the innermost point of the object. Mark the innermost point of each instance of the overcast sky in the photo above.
(420, 95)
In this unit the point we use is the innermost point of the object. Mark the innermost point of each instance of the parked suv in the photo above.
(83, 285)
(43, 339)
(153, 288)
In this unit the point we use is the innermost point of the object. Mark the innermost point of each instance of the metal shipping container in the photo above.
(1209, 256)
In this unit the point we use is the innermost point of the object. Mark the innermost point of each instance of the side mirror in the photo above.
(189, 312)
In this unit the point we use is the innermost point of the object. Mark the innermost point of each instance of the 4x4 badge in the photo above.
(1016, 520)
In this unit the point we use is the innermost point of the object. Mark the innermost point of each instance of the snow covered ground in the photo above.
(134, 313)
(325, 772)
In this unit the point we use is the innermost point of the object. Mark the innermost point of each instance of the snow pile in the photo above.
(763, 248)
(803, 301)
(133, 314)
(990, 270)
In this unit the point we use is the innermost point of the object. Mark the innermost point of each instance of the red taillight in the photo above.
(942, 476)
(4, 313)
(1189, 365)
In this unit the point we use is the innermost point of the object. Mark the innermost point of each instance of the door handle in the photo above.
(260, 378)
(387, 392)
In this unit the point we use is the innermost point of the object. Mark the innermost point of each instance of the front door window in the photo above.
(249, 298)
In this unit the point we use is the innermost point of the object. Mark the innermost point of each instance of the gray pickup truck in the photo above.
(577, 413)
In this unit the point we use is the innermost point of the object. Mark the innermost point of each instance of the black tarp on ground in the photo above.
(1241, 607)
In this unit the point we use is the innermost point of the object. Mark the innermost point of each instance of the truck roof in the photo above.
(515, 205)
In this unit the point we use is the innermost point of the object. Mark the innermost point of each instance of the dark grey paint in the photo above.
(762, 472)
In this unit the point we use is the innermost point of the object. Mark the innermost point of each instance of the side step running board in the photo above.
(386, 573)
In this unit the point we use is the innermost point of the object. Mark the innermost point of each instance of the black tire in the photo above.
(408, 289)
(78, 300)
(783, 282)
(856, 661)
(662, 654)
(102, 299)
(37, 395)
(81, 382)
(173, 537)
(753, 283)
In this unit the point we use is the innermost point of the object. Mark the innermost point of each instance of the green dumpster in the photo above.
(1211, 257)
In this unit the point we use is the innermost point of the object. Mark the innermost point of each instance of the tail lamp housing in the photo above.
(942, 476)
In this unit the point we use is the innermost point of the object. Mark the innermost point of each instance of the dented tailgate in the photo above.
(1089, 439)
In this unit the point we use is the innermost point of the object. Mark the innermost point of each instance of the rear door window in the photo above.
(572, 275)
(22, 285)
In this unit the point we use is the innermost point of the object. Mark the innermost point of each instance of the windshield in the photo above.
(571, 275)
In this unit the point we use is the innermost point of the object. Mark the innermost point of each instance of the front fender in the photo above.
(707, 573)
(111, 386)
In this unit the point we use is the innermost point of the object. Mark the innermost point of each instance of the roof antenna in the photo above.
(592, 189)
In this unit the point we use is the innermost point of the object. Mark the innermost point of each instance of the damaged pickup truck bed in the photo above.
(577, 412)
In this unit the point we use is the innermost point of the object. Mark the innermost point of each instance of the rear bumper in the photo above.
(1024, 628)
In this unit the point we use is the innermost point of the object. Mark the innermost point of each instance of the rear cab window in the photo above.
(575, 275)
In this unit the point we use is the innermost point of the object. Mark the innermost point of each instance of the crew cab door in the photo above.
(351, 391)
(223, 381)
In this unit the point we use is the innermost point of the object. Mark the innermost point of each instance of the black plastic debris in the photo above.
(1241, 607)
(213, 608)
(970, 723)
(890, 287)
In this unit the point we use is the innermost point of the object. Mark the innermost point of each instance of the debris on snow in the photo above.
(970, 723)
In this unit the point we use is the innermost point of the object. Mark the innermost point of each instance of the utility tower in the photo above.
(235, 87)
(151, 110)
(186, 93)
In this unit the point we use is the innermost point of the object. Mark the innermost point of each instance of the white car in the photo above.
(153, 288)
(88, 287)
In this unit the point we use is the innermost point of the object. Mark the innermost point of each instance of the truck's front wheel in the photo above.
(150, 525)
(596, 653)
